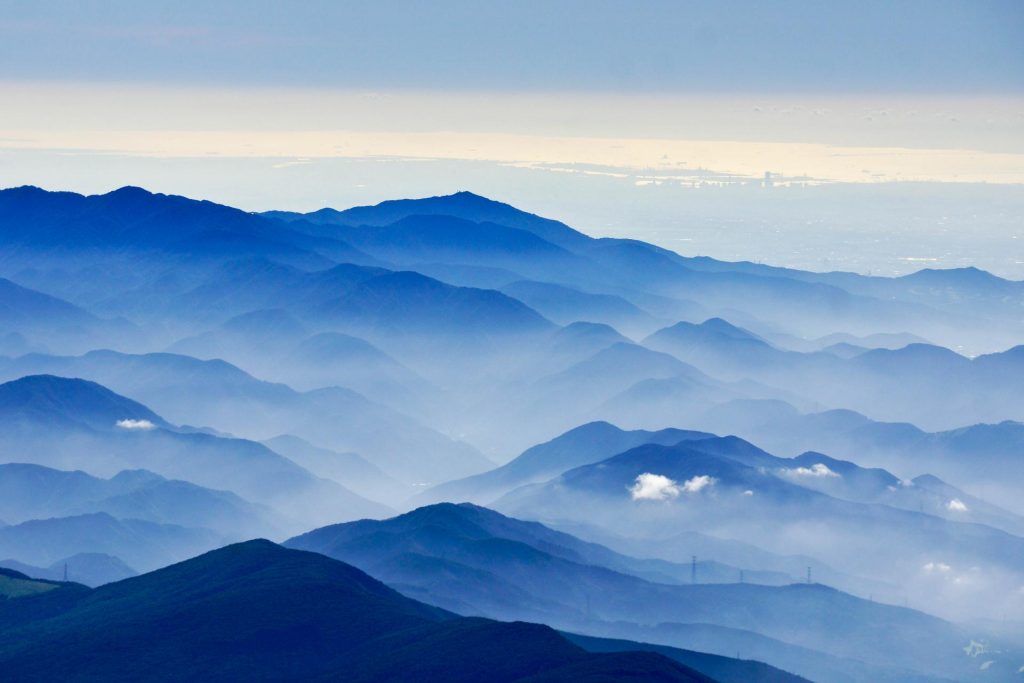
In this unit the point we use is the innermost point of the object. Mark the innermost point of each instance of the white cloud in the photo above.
(698, 483)
(650, 486)
(941, 567)
(136, 424)
(654, 487)
(815, 470)
(748, 492)
(956, 505)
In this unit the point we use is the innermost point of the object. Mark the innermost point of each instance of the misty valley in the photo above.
(446, 439)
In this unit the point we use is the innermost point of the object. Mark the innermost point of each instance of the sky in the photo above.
(651, 119)
(923, 46)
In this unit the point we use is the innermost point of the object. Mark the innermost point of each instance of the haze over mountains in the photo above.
(476, 561)
(673, 468)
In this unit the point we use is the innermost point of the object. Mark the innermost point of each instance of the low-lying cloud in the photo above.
(698, 483)
(941, 567)
(649, 486)
(818, 470)
(654, 487)
(135, 424)
(957, 505)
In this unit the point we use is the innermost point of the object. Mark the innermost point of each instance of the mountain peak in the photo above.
(446, 511)
(952, 276)
(463, 204)
(472, 196)
(129, 191)
(25, 190)
(722, 326)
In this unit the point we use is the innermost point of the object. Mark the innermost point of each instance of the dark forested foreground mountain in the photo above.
(821, 471)
(258, 611)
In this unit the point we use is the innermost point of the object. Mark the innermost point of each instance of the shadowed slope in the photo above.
(256, 610)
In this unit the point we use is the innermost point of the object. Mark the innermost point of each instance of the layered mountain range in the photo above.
(617, 462)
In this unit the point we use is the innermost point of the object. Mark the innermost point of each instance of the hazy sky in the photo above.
(457, 95)
(673, 46)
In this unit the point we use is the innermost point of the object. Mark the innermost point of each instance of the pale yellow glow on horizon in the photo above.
(667, 160)
(657, 138)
